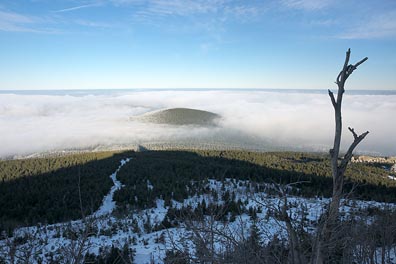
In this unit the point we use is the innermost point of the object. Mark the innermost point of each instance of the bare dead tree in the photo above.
(285, 220)
(23, 248)
(31, 250)
(76, 250)
(338, 166)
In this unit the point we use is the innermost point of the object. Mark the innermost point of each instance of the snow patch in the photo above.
(149, 185)
(392, 177)
(108, 204)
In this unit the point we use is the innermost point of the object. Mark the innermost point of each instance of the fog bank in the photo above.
(251, 119)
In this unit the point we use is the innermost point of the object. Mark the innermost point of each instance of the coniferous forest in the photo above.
(46, 190)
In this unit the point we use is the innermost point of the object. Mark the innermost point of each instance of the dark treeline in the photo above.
(46, 190)
(179, 174)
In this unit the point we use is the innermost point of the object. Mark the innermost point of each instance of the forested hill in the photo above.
(45, 190)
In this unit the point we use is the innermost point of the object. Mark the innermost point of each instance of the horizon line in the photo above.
(191, 88)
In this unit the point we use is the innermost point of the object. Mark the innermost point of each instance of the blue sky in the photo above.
(94, 44)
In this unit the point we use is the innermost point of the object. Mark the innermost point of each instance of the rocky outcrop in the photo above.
(371, 159)
(393, 168)
(140, 148)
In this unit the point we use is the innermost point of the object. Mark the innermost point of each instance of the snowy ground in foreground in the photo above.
(151, 245)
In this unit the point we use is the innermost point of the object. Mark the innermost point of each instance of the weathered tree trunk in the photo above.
(295, 254)
(327, 227)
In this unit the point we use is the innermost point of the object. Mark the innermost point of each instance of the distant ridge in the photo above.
(180, 116)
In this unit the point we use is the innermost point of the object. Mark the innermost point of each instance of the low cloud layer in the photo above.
(252, 119)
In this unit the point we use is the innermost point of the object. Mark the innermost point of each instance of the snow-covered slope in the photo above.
(142, 230)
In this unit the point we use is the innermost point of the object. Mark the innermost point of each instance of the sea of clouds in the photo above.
(254, 119)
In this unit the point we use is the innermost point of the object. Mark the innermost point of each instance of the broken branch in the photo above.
(348, 154)
(333, 101)
(353, 132)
